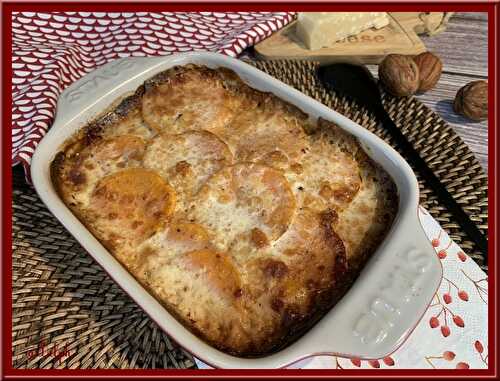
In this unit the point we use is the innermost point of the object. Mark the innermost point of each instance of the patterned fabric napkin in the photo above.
(453, 332)
(52, 50)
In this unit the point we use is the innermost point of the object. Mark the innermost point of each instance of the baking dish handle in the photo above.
(98, 84)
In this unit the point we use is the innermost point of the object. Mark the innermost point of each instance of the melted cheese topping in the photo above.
(186, 160)
(259, 133)
(328, 176)
(106, 156)
(242, 217)
(189, 100)
(242, 199)
(129, 205)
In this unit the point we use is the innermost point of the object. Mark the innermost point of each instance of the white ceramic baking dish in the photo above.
(379, 311)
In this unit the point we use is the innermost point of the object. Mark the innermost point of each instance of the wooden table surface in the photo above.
(463, 47)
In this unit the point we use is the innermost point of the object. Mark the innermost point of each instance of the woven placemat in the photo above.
(67, 312)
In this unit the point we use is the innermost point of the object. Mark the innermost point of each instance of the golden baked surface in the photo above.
(244, 218)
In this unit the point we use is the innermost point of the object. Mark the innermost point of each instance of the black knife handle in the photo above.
(428, 175)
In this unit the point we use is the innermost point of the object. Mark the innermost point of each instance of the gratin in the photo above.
(246, 219)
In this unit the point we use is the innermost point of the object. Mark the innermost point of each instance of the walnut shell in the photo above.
(471, 101)
(430, 68)
(399, 75)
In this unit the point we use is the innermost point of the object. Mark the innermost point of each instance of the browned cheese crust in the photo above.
(244, 218)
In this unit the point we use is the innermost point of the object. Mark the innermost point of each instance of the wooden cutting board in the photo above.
(368, 47)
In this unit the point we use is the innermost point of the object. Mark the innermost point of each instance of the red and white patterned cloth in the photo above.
(52, 50)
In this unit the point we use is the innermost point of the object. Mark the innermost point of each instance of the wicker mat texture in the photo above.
(67, 313)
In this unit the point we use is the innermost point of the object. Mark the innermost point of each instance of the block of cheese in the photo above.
(321, 29)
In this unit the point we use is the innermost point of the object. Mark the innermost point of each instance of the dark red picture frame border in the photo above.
(491, 7)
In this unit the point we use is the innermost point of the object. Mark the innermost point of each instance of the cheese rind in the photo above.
(321, 29)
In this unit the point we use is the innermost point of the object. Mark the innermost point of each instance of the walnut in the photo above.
(399, 75)
(471, 101)
(430, 68)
